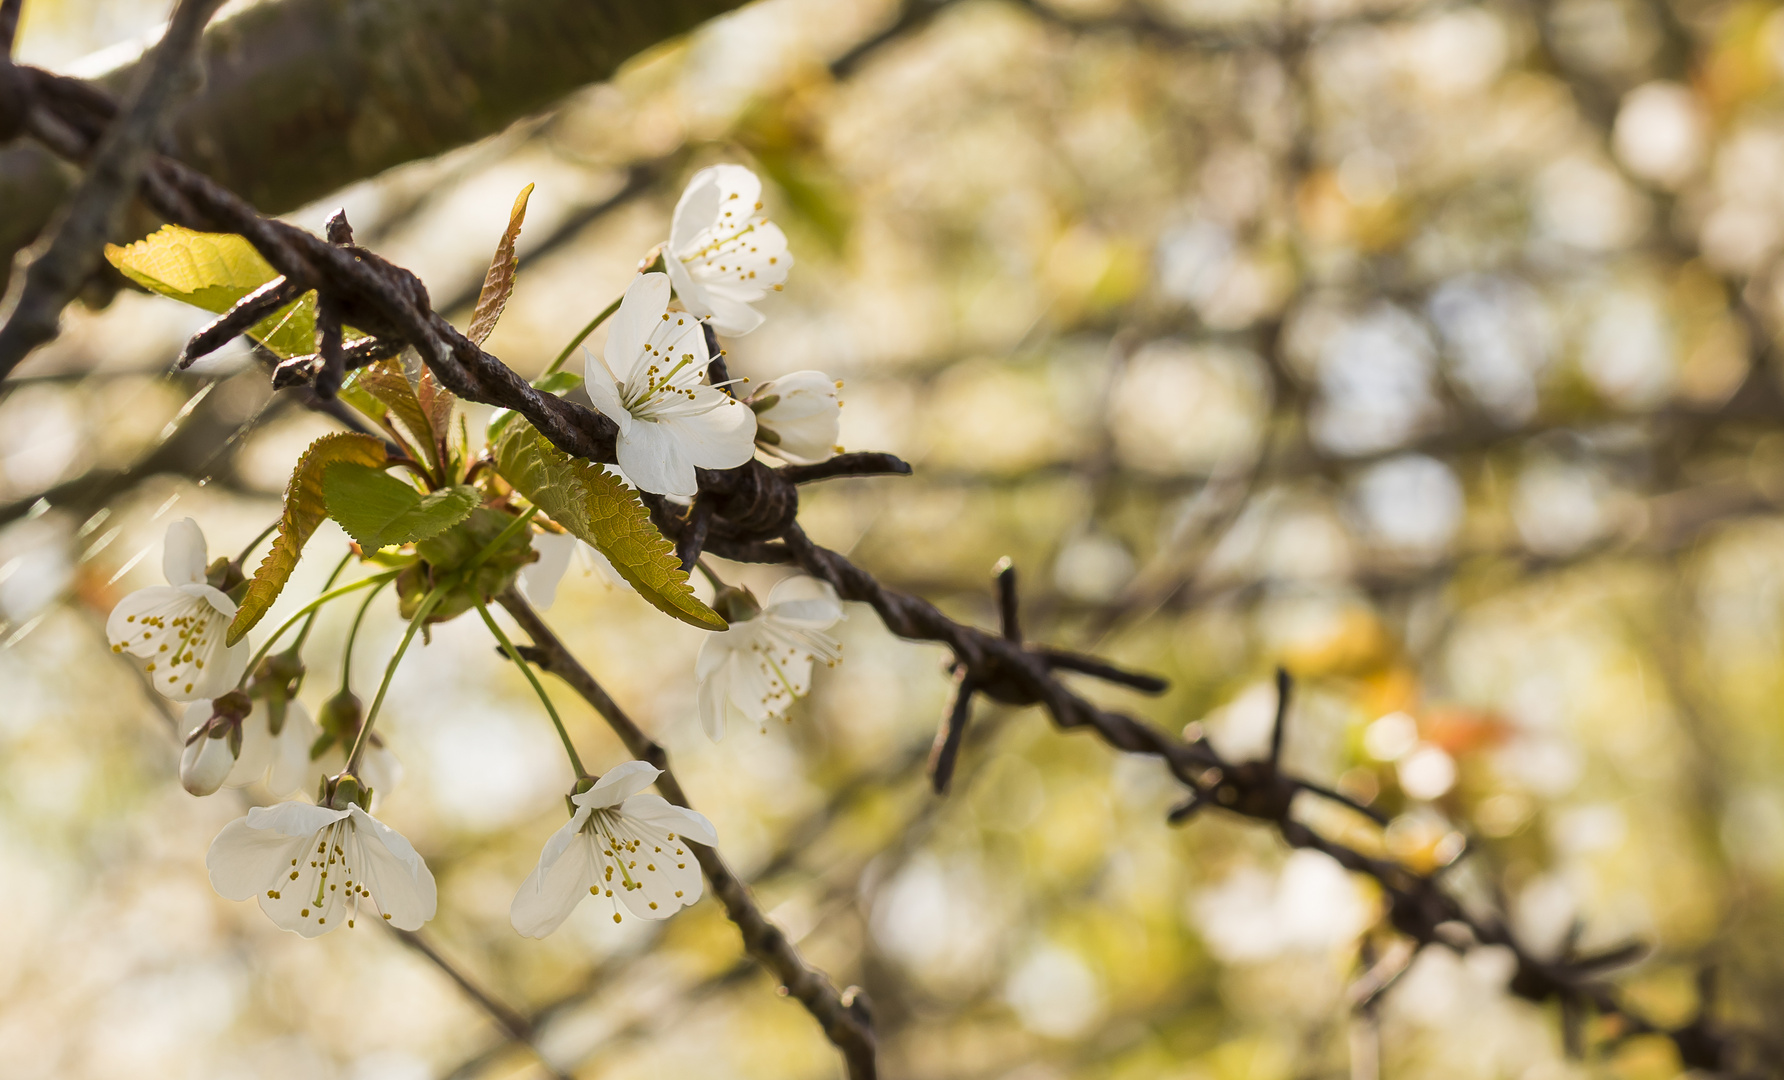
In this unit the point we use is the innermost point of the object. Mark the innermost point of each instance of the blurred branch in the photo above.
(95, 212)
(197, 439)
(1137, 19)
(304, 97)
(518, 1027)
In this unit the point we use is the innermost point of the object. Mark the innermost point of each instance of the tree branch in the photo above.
(518, 1027)
(843, 1016)
(307, 96)
(96, 211)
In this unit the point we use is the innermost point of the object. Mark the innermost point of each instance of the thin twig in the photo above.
(843, 1016)
(517, 1026)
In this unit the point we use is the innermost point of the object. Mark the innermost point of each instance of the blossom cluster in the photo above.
(316, 866)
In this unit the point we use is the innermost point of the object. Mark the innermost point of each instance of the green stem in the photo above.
(577, 340)
(710, 576)
(544, 698)
(332, 594)
(353, 635)
(428, 604)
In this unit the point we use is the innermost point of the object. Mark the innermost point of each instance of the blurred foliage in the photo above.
(1427, 349)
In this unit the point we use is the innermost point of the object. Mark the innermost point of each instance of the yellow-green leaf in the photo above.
(596, 506)
(380, 511)
(305, 507)
(212, 271)
(498, 282)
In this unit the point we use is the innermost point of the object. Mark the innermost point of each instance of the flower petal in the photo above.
(381, 771)
(660, 812)
(215, 597)
(733, 318)
(714, 689)
(125, 627)
(293, 818)
(205, 763)
(257, 749)
(183, 553)
(805, 602)
(245, 861)
(697, 208)
(550, 893)
(723, 437)
(400, 882)
(640, 310)
(692, 296)
(539, 579)
(602, 386)
(651, 455)
(617, 783)
(290, 767)
(560, 840)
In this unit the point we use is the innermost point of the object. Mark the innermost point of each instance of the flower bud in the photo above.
(346, 790)
(209, 755)
(736, 605)
(340, 716)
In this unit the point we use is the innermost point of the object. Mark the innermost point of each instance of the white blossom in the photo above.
(282, 760)
(177, 630)
(208, 757)
(798, 416)
(651, 381)
(756, 669)
(621, 844)
(314, 868)
(722, 253)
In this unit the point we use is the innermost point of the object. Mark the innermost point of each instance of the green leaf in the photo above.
(596, 506)
(558, 382)
(380, 511)
(386, 382)
(212, 271)
(305, 507)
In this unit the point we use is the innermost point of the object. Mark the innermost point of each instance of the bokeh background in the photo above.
(1426, 349)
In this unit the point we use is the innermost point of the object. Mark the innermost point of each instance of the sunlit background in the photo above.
(1424, 349)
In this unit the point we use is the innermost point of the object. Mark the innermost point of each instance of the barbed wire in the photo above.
(749, 514)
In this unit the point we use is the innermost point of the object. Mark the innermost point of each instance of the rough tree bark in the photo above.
(303, 97)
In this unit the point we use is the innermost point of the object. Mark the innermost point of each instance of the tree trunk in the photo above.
(303, 97)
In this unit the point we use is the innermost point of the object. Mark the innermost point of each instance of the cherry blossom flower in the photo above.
(313, 868)
(211, 752)
(651, 382)
(756, 669)
(177, 630)
(281, 760)
(797, 417)
(722, 254)
(623, 845)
